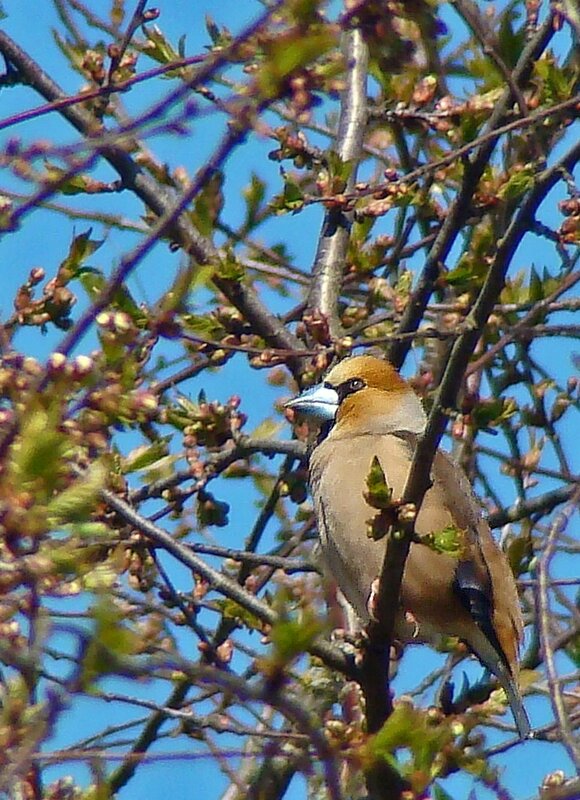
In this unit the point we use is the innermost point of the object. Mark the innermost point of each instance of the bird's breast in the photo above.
(338, 472)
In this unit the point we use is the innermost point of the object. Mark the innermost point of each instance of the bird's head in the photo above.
(363, 394)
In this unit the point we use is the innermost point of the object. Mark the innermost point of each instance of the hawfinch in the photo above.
(367, 409)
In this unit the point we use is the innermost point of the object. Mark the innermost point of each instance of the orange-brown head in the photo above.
(363, 394)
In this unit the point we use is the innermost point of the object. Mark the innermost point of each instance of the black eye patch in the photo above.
(349, 387)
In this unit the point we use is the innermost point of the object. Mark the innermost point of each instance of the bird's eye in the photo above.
(350, 387)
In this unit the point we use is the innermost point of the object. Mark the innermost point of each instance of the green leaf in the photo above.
(232, 610)
(76, 502)
(158, 47)
(39, 452)
(536, 287)
(229, 268)
(208, 204)
(203, 325)
(89, 530)
(338, 168)
(220, 37)
(292, 638)
(254, 195)
(409, 729)
(287, 53)
(110, 642)
(518, 183)
(82, 247)
(145, 456)
(493, 412)
(267, 429)
(293, 196)
(78, 183)
(511, 42)
(94, 282)
(451, 541)
(379, 494)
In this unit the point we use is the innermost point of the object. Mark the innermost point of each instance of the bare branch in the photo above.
(334, 237)
(544, 614)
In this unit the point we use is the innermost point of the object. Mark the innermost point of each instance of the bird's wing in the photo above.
(485, 582)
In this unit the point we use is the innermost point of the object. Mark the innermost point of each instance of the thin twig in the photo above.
(542, 595)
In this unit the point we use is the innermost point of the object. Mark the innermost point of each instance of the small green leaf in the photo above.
(289, 52)
(157, 46)
(229, 268)
(339, 171)
(511, 41)
(145, 455)
(82, 247)
(232, 610)
(292, 638)
(75, 503)
(379, 494)
(208, 204)
(254, 195)
(40, 449)
(267, 429)
(536, 287)
(518, 183)
(492, 412)
(109, 643)
(451, 541)
(220, 37)
(293, 197)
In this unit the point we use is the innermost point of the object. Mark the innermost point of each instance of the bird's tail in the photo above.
(491, 659)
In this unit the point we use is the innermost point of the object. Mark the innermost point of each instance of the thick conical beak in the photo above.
(320, 402)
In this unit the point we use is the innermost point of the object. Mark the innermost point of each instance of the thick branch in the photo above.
(334, 237)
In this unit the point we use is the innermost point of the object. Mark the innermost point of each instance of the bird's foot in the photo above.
(372, 602)
(411, 619)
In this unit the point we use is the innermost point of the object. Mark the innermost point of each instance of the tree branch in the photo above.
(381, 629)
(461, 205)
(544, 616)
(219, 582)
(542, 504)
(329, 262)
